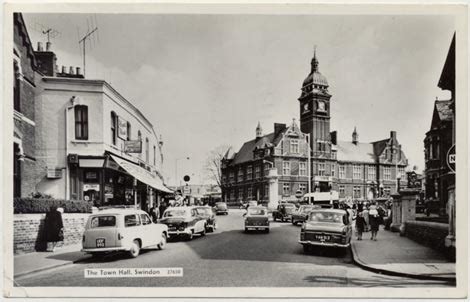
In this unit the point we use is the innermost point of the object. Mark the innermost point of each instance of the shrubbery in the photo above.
(28, 205)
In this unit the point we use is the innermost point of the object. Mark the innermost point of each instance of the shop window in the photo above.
(113, 127)
(81, 122)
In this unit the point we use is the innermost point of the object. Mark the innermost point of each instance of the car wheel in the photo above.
(266, 231)
(203, 233)
(189, 237)
(214, 227)
(306, 248)
(293, 221)
(162, 244)
(246, 230)
(135, 249)
(282, 219)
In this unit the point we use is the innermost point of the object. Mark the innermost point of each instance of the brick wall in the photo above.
(431, 234)
(28, 231)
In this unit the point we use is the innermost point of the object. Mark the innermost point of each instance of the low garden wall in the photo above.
(431, 234)
(28, 234)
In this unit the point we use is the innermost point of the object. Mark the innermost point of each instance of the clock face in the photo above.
(321, 106)
(306, 108)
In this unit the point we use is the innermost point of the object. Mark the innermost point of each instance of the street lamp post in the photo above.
(176, 169)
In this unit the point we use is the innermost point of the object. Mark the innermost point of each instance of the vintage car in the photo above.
(300, 215)
(115, 230)
(284, 212)
(326, 227)
(221, 208)
(256, 218)
(208, 214)
(183, 221)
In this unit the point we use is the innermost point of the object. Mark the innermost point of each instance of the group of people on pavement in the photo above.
(369, 216)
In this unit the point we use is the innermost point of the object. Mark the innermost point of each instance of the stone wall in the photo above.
(29, 231)
(431, 234)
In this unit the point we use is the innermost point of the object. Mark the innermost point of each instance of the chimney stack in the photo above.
(333, 137)
(71, 70)
(40, 46)
(64, 69)
(393, 135)
(48, 46)
(78, 70)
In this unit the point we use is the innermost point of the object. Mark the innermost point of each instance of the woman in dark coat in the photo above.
(374, 221)
(360, 222)
(53, 228)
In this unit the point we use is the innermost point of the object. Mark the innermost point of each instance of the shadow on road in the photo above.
(379, 281)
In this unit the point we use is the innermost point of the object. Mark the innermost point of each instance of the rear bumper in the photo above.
(221, 211)
(105, 249)
(329, 244)
(257, 227)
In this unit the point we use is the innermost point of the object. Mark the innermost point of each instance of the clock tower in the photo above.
(315, 111)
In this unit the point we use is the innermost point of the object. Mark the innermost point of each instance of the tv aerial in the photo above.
(46, 30)
(91, 36)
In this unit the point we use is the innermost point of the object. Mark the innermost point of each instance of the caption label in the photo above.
(133, 272)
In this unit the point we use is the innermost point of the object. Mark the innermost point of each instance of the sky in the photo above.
(206, 80)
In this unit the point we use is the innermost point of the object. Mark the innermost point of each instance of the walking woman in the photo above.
(53, 228)
(374, 220)
(359, 225)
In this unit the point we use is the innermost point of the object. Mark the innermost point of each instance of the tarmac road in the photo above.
(231, 258)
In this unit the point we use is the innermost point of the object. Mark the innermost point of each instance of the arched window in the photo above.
(146, 150)
(81, 122)
(128, 131)
(113, 127)
(154, 155)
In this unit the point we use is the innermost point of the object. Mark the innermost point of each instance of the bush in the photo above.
(43, 205)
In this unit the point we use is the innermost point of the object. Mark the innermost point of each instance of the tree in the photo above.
(213, 163)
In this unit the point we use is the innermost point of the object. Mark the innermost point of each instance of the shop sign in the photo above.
(91, 175)
(451, 158)
(89, 187)
(186, 190)
(122, 128)
(133, 146)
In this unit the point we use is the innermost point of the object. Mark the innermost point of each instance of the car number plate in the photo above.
(100, 242)
(323, 237)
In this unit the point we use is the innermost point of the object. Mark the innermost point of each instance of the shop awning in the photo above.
(142, 175)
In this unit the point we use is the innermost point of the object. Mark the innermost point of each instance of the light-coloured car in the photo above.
(301, 214)
(184, 221)
(129, 230)
(256, 218)
(326, 227)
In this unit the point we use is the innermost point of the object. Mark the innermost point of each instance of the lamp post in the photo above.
(176, 169)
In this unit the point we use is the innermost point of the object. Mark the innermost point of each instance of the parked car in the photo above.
(284, 212)
(301, 214)
(129, 230)
(184, 221)
(208, 214)
(221, 208)
(256, 218)
(326, 227)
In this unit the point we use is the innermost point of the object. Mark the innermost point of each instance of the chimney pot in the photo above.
(64, 69)
(48, 46)
(71, 70)
(78, 71)
(40, 46)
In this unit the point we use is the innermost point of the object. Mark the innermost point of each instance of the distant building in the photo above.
(92, 143)
(357, 170)
(24, 90)
(441, 137)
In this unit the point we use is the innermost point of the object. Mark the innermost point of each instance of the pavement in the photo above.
(395, 255)
(30, 263)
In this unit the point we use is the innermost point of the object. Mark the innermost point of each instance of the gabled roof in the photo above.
(443, 109)
(246, 151)
(359, 152)
(379, 146)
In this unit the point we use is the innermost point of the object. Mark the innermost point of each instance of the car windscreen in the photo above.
(305, 209)
(326, 217)
(175, 213)
(103, 221)
(256, 211)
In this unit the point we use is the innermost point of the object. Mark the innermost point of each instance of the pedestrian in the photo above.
(374, 220)
(365, 214)
(53, 228)
(359, 225)
(154, 213)
(162, 209)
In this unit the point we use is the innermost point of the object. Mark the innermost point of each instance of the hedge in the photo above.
(27, 205)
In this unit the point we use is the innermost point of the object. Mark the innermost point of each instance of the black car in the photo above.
(221, 208)
(208, 214)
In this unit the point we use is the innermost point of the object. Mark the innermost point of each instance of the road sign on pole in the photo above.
(451, 158)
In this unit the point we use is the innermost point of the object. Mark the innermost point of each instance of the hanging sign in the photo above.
(451, 158)
(133, 146)
(89, 187)
(122, 128)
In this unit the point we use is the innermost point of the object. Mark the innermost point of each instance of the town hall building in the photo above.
(357, 170)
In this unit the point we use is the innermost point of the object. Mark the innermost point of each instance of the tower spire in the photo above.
(259, 130)
(314, 60)
(355, 136)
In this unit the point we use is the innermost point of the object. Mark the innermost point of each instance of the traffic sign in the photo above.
(299, 194)
(451, 158)
(186, 178)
